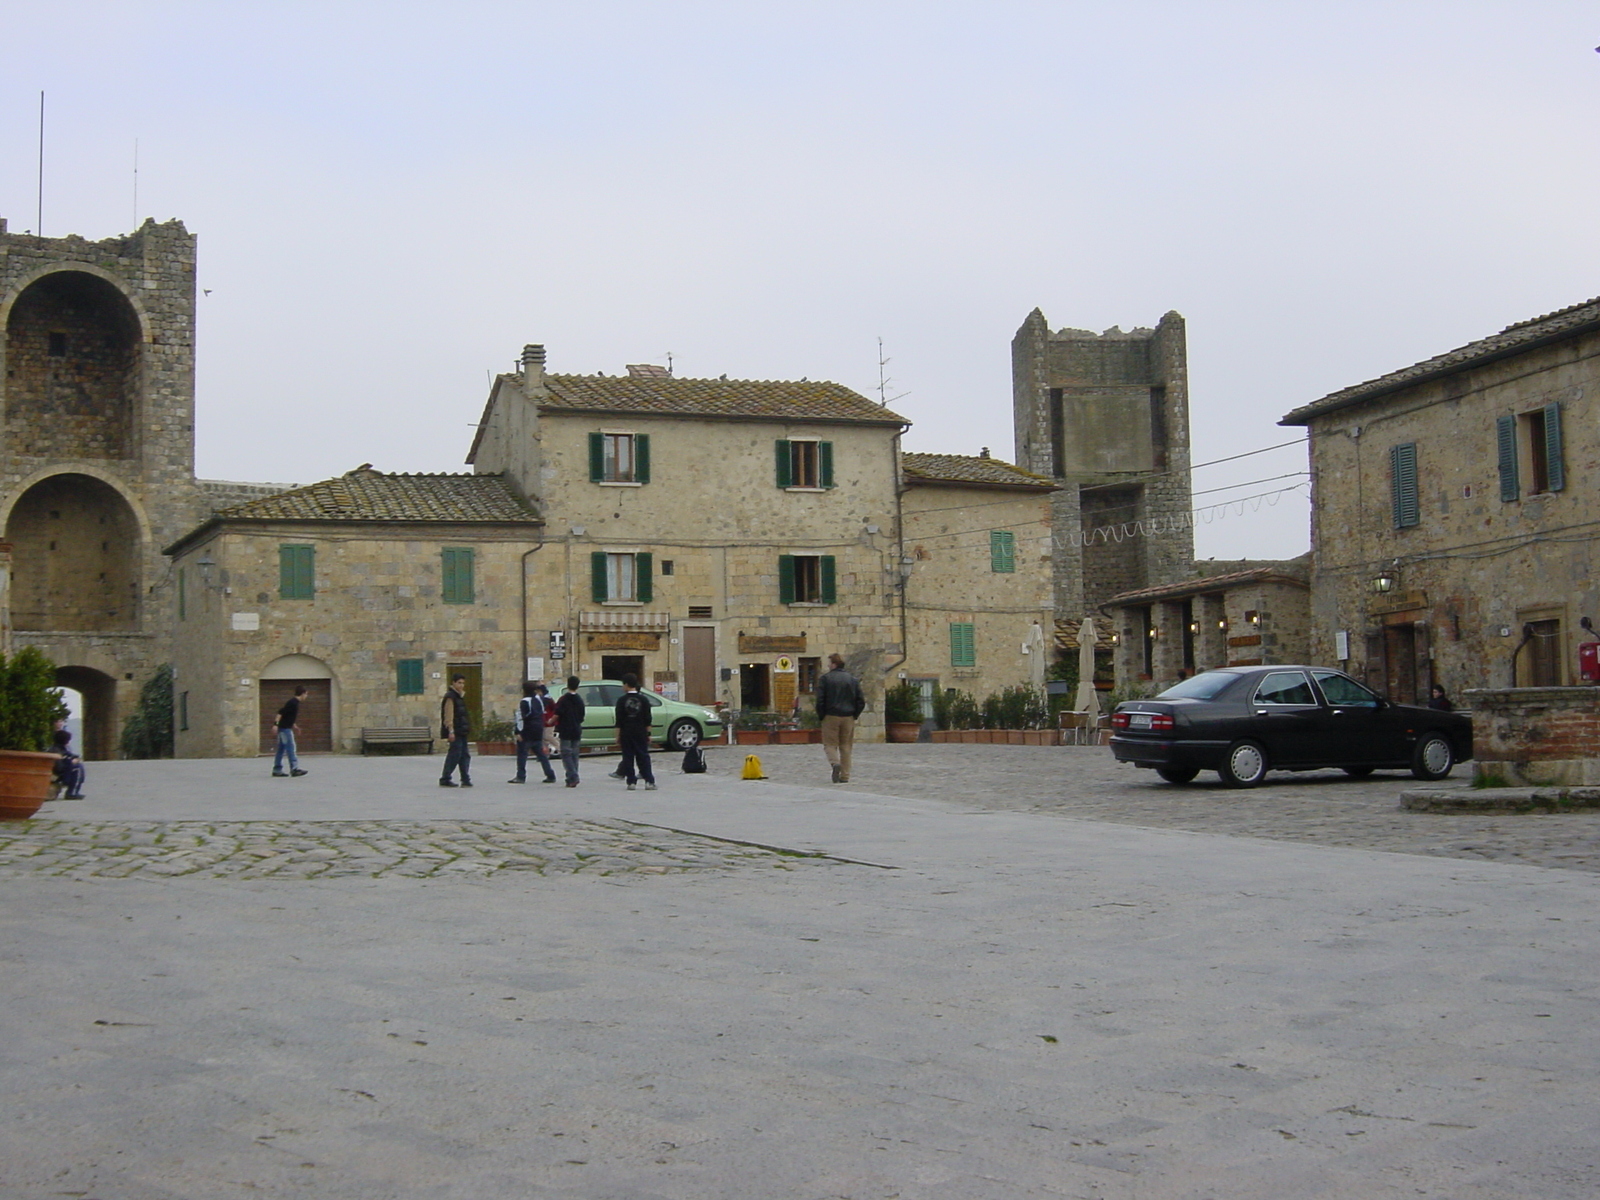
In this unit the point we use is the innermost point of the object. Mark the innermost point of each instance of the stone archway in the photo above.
(75, 557)
(99, 692)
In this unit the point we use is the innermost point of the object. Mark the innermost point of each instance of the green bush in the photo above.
(497, 730)
(30, 702)
(960, 710)
(902, 702)
(148, 733)
(1018, 707)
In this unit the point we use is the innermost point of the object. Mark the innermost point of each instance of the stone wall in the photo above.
(1536, 736)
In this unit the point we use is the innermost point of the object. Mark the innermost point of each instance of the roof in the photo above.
(1513, 339)
(779, 400)
(368, 495)
(1205, 584)
(979, 470)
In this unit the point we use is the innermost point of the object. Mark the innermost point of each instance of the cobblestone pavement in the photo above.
(1327, 808)
(373, 849)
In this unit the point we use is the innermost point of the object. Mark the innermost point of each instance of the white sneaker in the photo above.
(649, 787)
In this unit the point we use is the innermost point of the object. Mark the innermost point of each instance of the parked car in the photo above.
(1242, 722)
(673, 724)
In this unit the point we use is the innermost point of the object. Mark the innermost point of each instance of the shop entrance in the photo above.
(615, 666)
(755, 686)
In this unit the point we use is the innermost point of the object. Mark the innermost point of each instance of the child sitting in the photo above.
(69, 772)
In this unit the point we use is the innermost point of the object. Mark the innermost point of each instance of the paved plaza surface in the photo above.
(984, 972)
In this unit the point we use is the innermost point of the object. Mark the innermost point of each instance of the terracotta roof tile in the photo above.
(368, 495)
(969, 468)
(1207, 583)
(763, 399)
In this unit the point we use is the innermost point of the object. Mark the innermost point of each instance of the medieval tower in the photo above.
(1107, 416)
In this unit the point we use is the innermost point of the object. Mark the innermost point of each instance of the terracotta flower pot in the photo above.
(901, 731)
(752, 737)
(793, 737)
(24, 782)
(497, 748)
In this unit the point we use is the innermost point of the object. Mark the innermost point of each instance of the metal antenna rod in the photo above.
(38, 224)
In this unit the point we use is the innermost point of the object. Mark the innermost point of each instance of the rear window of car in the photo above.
(1207, 685)
(1285, 687)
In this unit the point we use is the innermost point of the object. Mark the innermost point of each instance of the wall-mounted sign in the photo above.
(558, 644)
(624, 641)
(772, 645)
(784, 665)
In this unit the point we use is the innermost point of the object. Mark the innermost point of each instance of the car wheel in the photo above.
(1357, 772)
(1244, 766)
(683, 734)
(1177, 774)
(1434, 758)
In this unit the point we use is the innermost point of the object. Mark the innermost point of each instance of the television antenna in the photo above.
(884, 380)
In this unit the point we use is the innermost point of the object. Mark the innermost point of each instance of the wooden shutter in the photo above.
(456, 575)
(597, 457)
(828, 573)
(1403, 485)
(963, 650)
(1002, 550)
(296, 573)
(785, 579)
(641, 458)
(1555, 473)
(408, 677)
(597, 576)
(183, 609)
(825, 463)
(642, 567)
(1506, 440)
(784, 464)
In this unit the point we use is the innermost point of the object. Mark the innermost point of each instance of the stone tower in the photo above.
(1107, 415)
(97, 453)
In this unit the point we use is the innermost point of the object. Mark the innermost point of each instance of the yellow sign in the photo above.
(784, 665)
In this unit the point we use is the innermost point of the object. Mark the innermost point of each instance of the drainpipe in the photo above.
(1527, 636)
(528, 554)
(900, 554)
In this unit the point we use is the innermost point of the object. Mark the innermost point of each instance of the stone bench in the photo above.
(403, 736)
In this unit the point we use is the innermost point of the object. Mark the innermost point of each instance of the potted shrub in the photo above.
(754, 727)
(30, 705)
(497, 737)
(902, 713)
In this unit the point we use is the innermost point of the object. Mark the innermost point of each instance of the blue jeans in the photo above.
(459, 755)
(285, 746)
(523, 746)
(569, 757)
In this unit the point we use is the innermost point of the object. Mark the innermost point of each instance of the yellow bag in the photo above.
(752, 768)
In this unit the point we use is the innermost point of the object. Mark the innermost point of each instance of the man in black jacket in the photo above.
(633, 733)
(569, 728)
(455, 724)
(839, 703)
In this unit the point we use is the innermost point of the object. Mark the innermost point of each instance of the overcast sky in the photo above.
(391, 199)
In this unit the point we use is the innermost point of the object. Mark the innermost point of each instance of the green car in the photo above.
(673, 725)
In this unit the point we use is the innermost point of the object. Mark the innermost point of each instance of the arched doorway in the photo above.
(75, 557)
(316, 725)
(98, 693)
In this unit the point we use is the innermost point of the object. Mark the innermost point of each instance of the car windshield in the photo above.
(1207, 685)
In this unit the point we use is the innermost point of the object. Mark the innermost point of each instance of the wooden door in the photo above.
(700, 664)
(314, 729)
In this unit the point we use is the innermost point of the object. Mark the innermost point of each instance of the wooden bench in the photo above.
(405, 736)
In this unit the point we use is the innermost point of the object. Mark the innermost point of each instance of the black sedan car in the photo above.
(1242, 722)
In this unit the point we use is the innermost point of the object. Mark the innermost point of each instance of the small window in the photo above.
(809, 670)
(183, 599)
(1002, 551)
(456, 567)
(408, 676)
(296, 572)
(807, 579)
(1546, 472)
(621, 578)
(58, 345)
(1403, 495)
(183, 710)
(804, 464)
(1285, 687)
(963, 644)
(619, 458)
(666, 566)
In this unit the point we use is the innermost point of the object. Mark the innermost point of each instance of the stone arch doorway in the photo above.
(317, 724)
(99, 715)
(73, 369)
(75, 557)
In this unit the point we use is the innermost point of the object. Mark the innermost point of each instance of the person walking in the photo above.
(288, 717)
(569, 728)
(839, 703)
(530, 732)
(633, 733)
(455, 726)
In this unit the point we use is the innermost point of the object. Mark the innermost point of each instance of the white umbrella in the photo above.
(1087, 699)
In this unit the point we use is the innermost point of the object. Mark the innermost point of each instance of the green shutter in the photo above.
(597, 576)
(296, 573)
(408, 677)
(597, 457)
(456, 576)
(182, 599)
(785, 579)
(830, 574)
(642, 566)
(1506, 440)
(963, 648)
(1555, 473)
(641, 458)
(1002, 551)
(825, 463)
(1403, 485)
(785, 465)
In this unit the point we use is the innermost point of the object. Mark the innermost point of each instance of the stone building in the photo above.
(978, 573)
(372, 590)
(1106, 416)
(718, 538)
(1453, 526)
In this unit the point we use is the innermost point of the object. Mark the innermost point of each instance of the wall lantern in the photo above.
(1383, 583)
(1222, 624)
(1194, 626)
(1116, 639)
(1154, 633)
(1252, 617)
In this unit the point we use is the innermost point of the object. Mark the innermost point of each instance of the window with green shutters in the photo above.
(1002, 551)
(807, 579)
(456, 574)
(183, 597)
(296, 572)
(408, 676)
(1506, 450)
(963, 644)
(1403, 495)
(802, 463)
(621, 578)
(619, 458)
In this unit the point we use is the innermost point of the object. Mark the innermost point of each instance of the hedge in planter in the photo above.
(30, 705)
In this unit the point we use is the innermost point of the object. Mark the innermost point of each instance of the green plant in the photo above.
(30, 702)
(1131, 691)
(962, 710)
(755, 718)
(1489, 777)
(808, 718)
(148, 732)
(496, 730)
(1016, 707)
(902, 703)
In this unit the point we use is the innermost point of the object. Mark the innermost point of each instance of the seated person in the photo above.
(69, 772)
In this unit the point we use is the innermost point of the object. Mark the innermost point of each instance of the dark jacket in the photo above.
(454, 716)
(633, 713)
(569, 716)
(839, 695)
(289, 714)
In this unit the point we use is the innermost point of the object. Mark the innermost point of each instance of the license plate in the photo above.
(1138, 720)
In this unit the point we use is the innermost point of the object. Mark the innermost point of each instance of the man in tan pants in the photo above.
(839, 703)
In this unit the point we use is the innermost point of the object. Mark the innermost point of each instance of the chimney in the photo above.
(532, 367)
(984, 453)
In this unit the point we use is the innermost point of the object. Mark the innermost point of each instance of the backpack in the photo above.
(524, 711)
(694, 761)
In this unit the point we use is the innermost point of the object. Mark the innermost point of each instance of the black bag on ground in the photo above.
(694, 761)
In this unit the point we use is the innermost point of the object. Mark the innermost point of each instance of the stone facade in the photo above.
(1453, 530)
(1539, 736)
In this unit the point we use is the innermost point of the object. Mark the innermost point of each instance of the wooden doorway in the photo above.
(474, 693)
(313, 730)
(700, 664)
